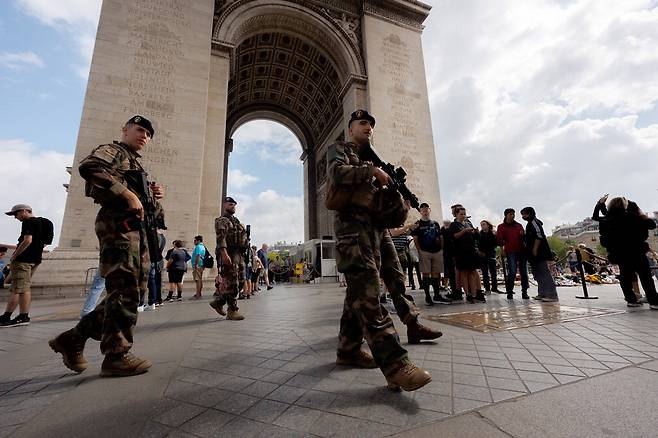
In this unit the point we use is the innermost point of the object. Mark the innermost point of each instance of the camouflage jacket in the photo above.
(348, 172)
(103, 171)
(230, 233)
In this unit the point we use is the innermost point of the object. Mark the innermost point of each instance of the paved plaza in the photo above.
(273, 374)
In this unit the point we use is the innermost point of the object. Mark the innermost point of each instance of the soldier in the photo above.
(363, 249)
(124, 258)
(231, 245)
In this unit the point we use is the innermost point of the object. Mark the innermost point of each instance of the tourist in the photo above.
(262, 256)
(487, 245)
(510, 237)
(467, 260)
(198, 256)
(177, 259)
(538, 253)
(36, 232)
(256, 270)
(450, 272)
(623, 232)
(400, 238)
(3, 263)
(414, 265)
(95, 290)
(427, 236)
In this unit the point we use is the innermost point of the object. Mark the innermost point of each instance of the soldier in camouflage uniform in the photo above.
(124, 258)
(231, 245)
(363, 248)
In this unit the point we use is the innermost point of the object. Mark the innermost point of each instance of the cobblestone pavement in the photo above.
(273, 374)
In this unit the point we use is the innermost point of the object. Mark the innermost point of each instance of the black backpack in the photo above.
(208, 260)
(47, 231)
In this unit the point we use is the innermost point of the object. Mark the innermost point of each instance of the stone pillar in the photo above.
(397, 94)
(151, 58)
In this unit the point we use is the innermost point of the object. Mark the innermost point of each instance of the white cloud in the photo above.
(20, 60)
(273, 217)
(536, 103)
(79, 18)
(271, 141)
(238, 180)
(34, 177)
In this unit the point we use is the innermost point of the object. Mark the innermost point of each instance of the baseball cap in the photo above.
(16, 208)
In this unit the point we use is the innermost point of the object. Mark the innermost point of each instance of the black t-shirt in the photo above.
(33, 253)
(400, 242)
(428, 233)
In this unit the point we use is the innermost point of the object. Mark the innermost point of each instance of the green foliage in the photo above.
(560, 246)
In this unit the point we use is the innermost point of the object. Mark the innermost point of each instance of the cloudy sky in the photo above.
(543, 103)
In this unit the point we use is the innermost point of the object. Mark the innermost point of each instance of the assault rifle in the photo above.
(247, 251)
(397, 174)
(138, 183)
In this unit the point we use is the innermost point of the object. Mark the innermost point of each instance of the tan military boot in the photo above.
(123, 365)
(362, 359)
(71, 345)
(234, 315)
(218, 306)
(417, 332)
(408, 377)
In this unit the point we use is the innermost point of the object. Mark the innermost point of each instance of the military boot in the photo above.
(408, 377)
(123, 365)
(71, 345)
(218, 306)
(234, 315)
(362, 359)
(417, 332)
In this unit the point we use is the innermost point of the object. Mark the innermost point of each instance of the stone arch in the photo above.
(274, 115)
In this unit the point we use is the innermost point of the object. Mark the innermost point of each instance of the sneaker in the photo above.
(18, 321)
(150, 307)
(123, 365)
(636, 304)
(479, 297)
(525, 296)
(643, 300)
(140, 308)
(510, 296)
(179, 298)
(417, 332)
(653, 306)
(270, 287)
(441, 300)
(537, 297)
(549, 300)
(4, 319)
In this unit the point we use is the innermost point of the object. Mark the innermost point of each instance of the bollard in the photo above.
(581, 271)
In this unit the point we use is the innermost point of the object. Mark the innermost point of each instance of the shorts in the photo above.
(175, 276)
(254, 275)
(21, 276)
(197, 274)
(431, 262)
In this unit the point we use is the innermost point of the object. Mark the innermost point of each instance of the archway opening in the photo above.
(265, 176)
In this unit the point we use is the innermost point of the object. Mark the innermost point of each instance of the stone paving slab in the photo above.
(274, 373)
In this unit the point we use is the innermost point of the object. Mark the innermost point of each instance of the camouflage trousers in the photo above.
(361, 251)
(124, 263)
(233, 276)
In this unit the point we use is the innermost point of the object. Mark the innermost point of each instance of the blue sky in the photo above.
(549, 103)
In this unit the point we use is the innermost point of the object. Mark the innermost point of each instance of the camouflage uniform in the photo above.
(363, 249)
(231, 235)
(124, 258)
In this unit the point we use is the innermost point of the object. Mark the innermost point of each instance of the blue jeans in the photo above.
(514, 258)
(152, 285)
(95, 291)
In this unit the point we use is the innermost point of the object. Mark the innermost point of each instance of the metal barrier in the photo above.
(89, 278)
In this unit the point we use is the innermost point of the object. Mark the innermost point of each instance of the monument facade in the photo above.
(200, 69)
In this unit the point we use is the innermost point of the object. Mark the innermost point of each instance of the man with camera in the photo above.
(124, 254)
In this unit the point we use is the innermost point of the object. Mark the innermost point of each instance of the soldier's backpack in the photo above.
(208, 260)
(47, 231)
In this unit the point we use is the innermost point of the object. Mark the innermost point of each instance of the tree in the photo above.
(560, 246)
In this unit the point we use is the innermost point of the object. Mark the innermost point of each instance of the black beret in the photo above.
(362, 115)
(424, 204)
(229, 199)
(143, 122)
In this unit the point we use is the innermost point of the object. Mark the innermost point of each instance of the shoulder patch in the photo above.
(336, 151)
(106, 152)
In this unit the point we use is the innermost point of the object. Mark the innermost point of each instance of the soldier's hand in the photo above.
(382, 177)
(134, 204)
(226, 259)
(158, 191)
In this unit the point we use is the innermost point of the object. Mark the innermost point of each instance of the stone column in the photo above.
(397, 94)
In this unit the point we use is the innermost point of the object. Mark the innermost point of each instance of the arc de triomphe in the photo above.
(199, 69)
